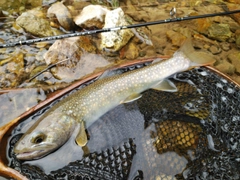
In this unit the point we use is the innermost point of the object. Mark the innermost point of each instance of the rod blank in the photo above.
(31, 41)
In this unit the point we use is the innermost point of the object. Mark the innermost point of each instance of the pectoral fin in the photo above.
(132, 98)
(165, 85)
(81, 138)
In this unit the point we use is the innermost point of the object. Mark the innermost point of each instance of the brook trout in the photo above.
(85, 106)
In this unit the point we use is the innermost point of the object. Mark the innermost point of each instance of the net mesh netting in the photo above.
(191, 134)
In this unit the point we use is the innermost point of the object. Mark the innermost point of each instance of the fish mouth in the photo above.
(29, 155)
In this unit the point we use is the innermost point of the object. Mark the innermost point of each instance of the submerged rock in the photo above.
(220, 32)
(12, 73)
(63, 15)
(91, 16)
(115, 40)
(234, 58)
(225, 67)
(87, 64)
(142, 33)
(176, 37)
(75, 58)
(36, 25)
(132, 51)
(64, 49)
(225, 46)
(215, 49)
(238, 38)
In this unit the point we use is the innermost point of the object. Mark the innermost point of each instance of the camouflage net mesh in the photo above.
(200, 122)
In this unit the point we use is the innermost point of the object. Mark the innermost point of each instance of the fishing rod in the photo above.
(170, 20)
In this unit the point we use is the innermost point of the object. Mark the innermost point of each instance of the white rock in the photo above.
(91, 16)
(115, 40)
(63, 15)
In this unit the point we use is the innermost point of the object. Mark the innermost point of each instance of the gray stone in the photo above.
(61, 12)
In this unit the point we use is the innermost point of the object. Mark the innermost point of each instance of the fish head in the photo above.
(45, 136)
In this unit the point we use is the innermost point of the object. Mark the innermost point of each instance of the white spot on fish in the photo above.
(69, 112)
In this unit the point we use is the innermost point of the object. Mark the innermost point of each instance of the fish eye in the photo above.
(38, 138)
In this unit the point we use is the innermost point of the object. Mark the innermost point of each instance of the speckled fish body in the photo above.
(85, 106)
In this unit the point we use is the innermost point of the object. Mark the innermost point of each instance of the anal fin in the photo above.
(81, 138)
(132, 98)
(165, 85)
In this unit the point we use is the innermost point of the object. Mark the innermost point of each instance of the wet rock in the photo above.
(215, 49)
(69, 48)
(234, 58)
(137, 15)
(233, 1)
(232, 7)
(236, 78)
(204, 40)
(35, 25)
(14, 70)
(87, 64)
(169, 50)
(226, 67)
(142, 33)
(112, 3)
(63, 49)
(13, 6)
(150, 51)
(159, 43)
(132, 51)
(115, 40)
(202, 25)
(16, 65)
(176, 37)
(67, 53)
(37, 70)
(91, 16)
(220, 32)
(60, 11)
(48, 2)
(35, 3)
(238, 40)
(47, 79)
(225, 46)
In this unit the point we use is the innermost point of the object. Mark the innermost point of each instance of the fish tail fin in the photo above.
(197, 58)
